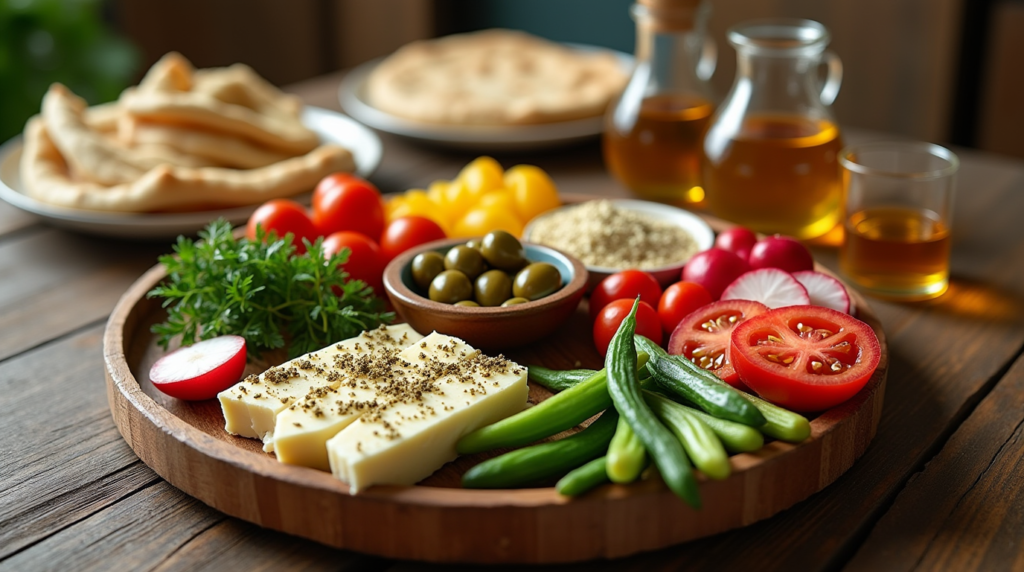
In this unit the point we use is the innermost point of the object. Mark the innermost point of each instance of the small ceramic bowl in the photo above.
(693, 224)
(487, 328)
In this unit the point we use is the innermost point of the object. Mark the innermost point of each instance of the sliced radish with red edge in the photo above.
(824, 290)
(202, 370)
(770, 286)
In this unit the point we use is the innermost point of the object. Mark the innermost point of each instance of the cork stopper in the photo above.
(671, 15)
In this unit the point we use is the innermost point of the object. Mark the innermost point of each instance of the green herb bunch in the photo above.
(263, 291)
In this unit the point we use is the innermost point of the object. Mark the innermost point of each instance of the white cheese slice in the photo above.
(251, 407)
(302, 429)
(408, 440)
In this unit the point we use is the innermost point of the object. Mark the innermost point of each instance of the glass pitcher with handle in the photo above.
(771, 150)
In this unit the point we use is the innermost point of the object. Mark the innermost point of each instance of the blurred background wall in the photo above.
(942, 70)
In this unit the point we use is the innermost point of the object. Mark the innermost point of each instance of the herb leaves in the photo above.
(261, 290)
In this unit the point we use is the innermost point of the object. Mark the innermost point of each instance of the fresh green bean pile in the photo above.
(659, 410)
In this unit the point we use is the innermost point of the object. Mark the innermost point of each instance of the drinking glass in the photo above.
(899, 205)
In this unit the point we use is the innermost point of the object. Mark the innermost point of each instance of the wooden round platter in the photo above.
(436, 520)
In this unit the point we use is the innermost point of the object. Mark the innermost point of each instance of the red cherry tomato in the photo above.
(805, 358)
(679, 301)
(202, 370)
(406, 232)
(737, 240)
(345, 202)
(282, 217)
(714, 269)
(703, 336)
(608, 320)
(781, 252)
(365, 261)
(627, 284)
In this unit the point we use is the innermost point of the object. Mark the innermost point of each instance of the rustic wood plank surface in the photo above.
(940, 487)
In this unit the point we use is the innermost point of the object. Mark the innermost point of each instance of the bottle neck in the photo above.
(669, 55)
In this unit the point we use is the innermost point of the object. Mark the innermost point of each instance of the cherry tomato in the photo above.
(805, 358)
(608, 320)
(345, 202)
(483, 219)
(627, 284)
(481, 175)
(679, 301)
(703, 336)
(533, 189)
(365, 261)
(282, 217)
(406, 232)
(737, 240)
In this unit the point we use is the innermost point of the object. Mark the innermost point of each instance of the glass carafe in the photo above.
(771, 151)
(653, 132)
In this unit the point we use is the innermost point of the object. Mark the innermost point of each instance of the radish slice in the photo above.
(824, 290)
(770, 286)
(202, 370)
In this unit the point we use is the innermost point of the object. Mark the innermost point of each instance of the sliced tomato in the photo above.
(805, 358)
(703, 336)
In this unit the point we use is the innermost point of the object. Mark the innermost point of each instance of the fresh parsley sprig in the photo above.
(263, 291)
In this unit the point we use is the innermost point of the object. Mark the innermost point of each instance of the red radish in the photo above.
(824, 290)
(782, 252)
(714, 269)
(737, 240)
(770, 286)
(202, 370)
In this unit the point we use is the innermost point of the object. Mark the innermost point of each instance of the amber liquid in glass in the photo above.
(779, 173)
(899, 251)
(659, 157)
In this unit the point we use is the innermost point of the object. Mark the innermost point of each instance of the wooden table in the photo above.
(940, 488)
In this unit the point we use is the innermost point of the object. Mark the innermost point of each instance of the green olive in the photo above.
(425, 267)
(536, 281)
(466, 260)
(468, 303)
(450, 286)
(492, 288)
(513, 302)
(502, 250)
(474, 244)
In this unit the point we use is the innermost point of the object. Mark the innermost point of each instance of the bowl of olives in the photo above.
(493, 292)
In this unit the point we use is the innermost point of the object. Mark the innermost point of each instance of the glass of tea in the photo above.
(899, 202)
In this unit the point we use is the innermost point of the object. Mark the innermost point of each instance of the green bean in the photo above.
(581, 480)
(538, 462)
(626, 454)
(665, 450)
(557, 413)
(559, 380)
(782, 424)
(703, 388)
(700, 442)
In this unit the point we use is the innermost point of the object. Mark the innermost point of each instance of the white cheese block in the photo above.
(251, 407)
(408, 440)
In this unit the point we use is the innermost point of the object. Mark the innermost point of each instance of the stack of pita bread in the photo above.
(182, 140)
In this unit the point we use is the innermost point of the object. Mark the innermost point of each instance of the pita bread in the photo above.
(233, 101)
(47, 177)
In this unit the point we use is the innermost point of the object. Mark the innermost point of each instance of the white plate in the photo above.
(471, 137)
(693, 224)
(332, 127)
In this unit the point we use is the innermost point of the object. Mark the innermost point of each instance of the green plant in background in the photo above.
(43, 41)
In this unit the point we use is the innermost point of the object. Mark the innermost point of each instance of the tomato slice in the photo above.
(703, 336)
(805, 358)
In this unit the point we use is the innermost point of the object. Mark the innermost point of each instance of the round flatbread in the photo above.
(494, 77)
